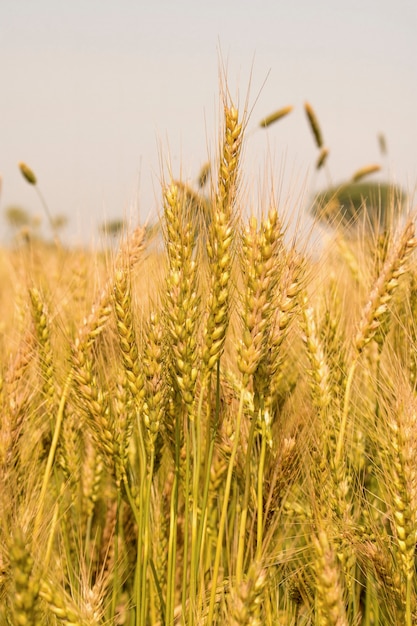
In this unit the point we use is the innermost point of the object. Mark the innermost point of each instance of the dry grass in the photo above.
(223, 435)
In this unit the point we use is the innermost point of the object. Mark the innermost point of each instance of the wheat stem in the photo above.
(223, 516)
(51, 455)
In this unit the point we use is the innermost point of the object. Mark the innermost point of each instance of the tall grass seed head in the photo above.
(27, 173)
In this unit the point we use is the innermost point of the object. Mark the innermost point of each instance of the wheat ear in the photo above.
(122, 299)
(42, 329)
(401, 484)
(219, 245)
(330, 600)
(26, 608)
(314, 124)
(319, 369)
(377, 307)
(182, 305)
(376, 311)
(365, 171)
(155, 389)
(246, 598)
(274, 117)
(261, 259)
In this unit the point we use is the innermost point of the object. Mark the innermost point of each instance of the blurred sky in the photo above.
(97, 95)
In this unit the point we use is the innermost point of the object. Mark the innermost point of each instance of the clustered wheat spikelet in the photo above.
(70, 457)
(92, 471)
(25, 608)
(195, 207)
(246, 599)
(94, 324)
(155, 392)
(401, 454)
(376, 309)
(282, 470)
(14, 399)
(109, 436)
(229, 161)
(285, 307)
(374, 553)
(260, 268)
(326, 377)
(412, 331)
(182, 299)
(330, 601)
(96, 404)
(319, 370)
(62, 607)
(219, 245)
(40, 316)
(160, 546)
(131, 250)
(124, 410)
(332, 337)
(290, 285)
(122, 299)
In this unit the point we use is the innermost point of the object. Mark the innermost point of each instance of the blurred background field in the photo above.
(97, 98)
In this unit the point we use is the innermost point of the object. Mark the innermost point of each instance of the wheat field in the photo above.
(218, 430)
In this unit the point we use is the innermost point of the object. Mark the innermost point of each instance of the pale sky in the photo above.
(96, 94)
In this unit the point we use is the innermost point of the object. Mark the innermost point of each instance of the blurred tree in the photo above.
(17, 217)
(112, 228)
(23, 225)
(59, 222)
(377, 204)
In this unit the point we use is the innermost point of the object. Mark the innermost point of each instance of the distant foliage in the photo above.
(112, 228)
(379, 204)
(17, 217)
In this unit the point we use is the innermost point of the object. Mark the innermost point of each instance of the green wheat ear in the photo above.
(314, 124)
(30, 177)
(204, 175)
(27, 173)
(322, 158)
(382, 142)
